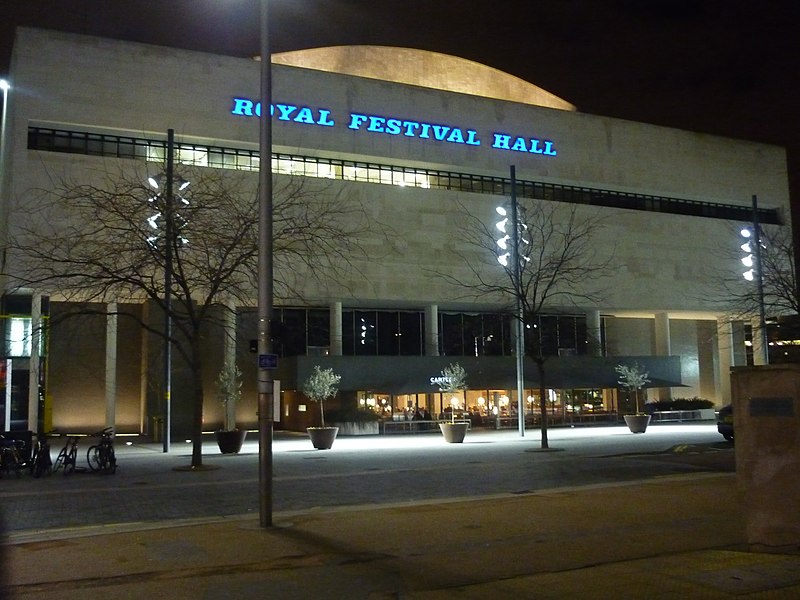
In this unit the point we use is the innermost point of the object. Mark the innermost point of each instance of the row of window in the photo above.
(97, 144)
(301, 331)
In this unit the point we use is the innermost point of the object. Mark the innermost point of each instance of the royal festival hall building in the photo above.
(416, 140)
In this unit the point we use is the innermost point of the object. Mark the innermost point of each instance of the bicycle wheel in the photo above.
(42, 464)
(62, 455)
(94, 458)
(111, 460)
(70, 460)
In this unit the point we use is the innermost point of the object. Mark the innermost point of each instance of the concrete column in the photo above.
(662, 334)
(112, 319)
(144, 372)
(336, 329)
(732, 353)
(34, 363)
(432, 330)
(662, 343)
(229, 355)
(593, 333)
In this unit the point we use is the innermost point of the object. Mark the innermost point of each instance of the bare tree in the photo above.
(559, 266)
(102, 241)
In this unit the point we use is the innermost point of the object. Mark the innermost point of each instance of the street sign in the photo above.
(267, 361)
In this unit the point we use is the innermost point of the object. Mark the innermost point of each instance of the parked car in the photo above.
(725, 422)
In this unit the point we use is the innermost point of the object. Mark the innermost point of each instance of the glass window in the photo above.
(348, 337)
(294, 332)
(451, 341)
(319, 331)
(365, 333)
(566, 335)
(192, 156)
(473, 334)
(581, 336)
(492, 343)
(388, 334)
(18, 338)
(410, 325)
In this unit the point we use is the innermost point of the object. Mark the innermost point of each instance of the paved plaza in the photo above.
(675, 531)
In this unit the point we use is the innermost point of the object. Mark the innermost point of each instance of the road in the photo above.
(150, 486)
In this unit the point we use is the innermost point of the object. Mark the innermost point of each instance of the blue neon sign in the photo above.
(377, 124)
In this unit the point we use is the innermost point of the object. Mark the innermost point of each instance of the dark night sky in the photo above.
(727, 67)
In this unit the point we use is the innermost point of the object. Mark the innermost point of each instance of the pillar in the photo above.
(336, 329)
(229, 355)
(662, 344)
(432, 330)
(112, 319)
(732, 353)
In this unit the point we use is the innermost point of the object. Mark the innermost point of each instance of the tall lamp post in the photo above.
(4, 86)
(165, 205)
(515, 238)
(265, 382)
(752, 249)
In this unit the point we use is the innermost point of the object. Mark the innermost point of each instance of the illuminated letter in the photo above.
(548, 148)
(305, 116)
(440, 131)
(286, 111)
(471, 139)
(242, 106)
(535, 147)
(456, 137)
(323, 118)
(410, 127)
(376, 123)
(501, 140)
(356, 121)
(425, 129)
(519, 145)
(393, 126)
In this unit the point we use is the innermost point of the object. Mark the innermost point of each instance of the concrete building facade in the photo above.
(416, 140)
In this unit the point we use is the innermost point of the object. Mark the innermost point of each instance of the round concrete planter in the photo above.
(322, 437)
(230, 442)
(637, 423)
(454, 432)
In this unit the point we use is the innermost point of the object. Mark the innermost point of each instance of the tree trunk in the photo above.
(542, 401)
(197, 422)
(322, 412)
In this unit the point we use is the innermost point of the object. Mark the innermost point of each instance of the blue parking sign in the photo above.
(267, 361)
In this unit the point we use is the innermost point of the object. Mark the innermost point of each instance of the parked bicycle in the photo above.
(41, 463)
(101, 456)
(68, 456)
(10, 457)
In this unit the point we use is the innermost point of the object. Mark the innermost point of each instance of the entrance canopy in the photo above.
(399, 375)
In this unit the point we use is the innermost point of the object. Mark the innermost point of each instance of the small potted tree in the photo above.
(320, 386)
(633, 378)
(453, 379)
(229, 391)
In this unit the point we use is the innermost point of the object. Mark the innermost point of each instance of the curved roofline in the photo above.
(422, 68)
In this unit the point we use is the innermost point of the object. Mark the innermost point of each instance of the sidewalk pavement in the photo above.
(673, 537)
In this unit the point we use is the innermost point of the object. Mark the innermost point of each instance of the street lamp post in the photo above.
(752, 249)
(515, 239)
(168, 233)
(165, 204)
(4, 86)
(265, 383)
